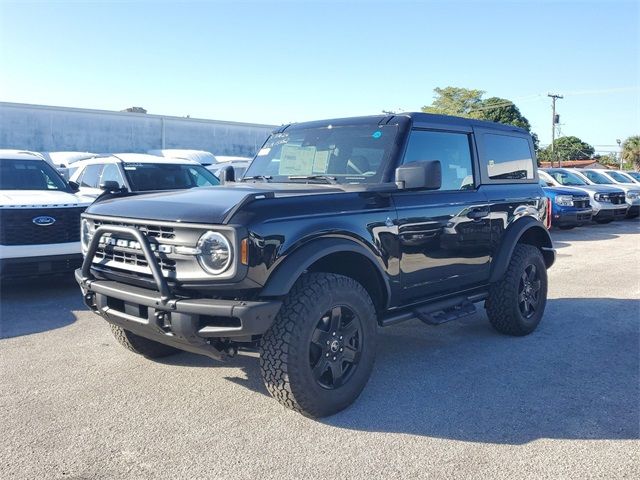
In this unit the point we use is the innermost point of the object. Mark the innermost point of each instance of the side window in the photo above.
(111, 172)
(508, 158)
(91, 176)
(451, 149)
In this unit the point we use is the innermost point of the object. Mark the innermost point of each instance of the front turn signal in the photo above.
(244, 251)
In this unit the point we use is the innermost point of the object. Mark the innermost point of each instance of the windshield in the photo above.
(343, 154)
(29, 175)
(619, 177)
(598, 178)
(635, 175)
(566, 178)
(163, 176)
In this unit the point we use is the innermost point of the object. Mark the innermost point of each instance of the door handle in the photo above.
(478, 213)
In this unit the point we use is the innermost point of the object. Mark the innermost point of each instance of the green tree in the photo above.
(454, 101)
(464, 102)
(567, 148)
(631, 151)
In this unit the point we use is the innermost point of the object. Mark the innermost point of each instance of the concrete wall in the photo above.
(48, 129)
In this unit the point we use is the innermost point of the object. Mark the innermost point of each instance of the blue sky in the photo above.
(277, 62)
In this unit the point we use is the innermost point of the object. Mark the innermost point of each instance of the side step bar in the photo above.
(438, 312)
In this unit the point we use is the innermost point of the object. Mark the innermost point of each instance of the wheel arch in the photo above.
(529, 231)
(331, 255)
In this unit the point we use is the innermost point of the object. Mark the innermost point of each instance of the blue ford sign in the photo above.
(44, 220)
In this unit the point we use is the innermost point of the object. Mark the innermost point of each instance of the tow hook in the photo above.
(90, 300)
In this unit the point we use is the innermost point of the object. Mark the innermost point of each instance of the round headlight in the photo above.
(85, 234)
(215, 252)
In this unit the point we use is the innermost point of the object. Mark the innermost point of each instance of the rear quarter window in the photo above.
(507, 158)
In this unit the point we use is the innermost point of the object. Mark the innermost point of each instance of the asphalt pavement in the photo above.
(453, 401)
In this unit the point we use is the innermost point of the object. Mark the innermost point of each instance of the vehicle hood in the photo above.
(565, 190)
(628, 187)
(600, 189)
(211, 205)
(41, 198)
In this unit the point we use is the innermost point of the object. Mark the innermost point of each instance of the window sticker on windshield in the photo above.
(377, 134)
(296, 160)
(263, 152)
(131, 166)
(321, 161)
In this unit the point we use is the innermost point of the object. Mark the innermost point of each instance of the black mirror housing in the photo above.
(110, 186)
(74, 187)
(227, 174)
(426, 175)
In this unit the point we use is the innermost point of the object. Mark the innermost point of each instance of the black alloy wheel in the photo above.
(528, 291)
(335, 347)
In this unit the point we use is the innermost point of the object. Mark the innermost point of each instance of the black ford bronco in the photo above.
(336, 228)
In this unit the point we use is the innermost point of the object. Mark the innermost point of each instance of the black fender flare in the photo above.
(295, 263)
(527, 225)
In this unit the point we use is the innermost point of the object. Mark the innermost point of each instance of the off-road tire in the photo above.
(285, 348)
(502, 305)
(140, 345)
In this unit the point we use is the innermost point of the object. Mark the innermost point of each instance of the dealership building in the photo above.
(43, 128)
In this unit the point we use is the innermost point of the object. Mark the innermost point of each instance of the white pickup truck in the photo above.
(39, 217)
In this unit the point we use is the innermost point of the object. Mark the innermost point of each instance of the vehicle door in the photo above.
(443, 235)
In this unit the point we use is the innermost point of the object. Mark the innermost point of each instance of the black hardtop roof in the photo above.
(416, 117)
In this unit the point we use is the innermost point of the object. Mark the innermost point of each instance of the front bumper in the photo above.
(573, 217)
(634, 211)
(615, 213)
(43, 265)
(193, 324)
(185, 323)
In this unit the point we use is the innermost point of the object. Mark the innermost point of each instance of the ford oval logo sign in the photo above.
(44, 220)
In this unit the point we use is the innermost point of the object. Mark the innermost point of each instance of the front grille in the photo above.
(17, 227)
(581, 202)
(151, 231)
(617, 198)
(129, 258)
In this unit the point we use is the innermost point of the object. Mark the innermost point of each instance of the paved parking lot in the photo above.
(454, 401)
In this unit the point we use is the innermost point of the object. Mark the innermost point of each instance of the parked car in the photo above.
(136, 172)
(200, 156)
(337, 227)
(64, 161)
(601, 177)
(634, 175)
(570, 206)
(608, 203)
(39, 217)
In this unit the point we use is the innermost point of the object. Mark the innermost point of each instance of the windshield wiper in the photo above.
(264, 178)
(325, 178)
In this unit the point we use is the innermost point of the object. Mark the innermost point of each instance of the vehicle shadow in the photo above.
(22, 302)
(594, 232)
(576, 377)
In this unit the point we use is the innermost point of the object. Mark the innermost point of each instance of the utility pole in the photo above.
(555, 119)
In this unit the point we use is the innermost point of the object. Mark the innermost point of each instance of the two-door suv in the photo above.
(337, 227)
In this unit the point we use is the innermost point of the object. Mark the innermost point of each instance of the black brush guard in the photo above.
(196, 325)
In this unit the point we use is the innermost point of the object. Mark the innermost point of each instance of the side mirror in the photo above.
(227, 174)
(74, 187)
(110, 186)
(425, 175)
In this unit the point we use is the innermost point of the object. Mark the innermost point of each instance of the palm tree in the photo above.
(631, 151)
